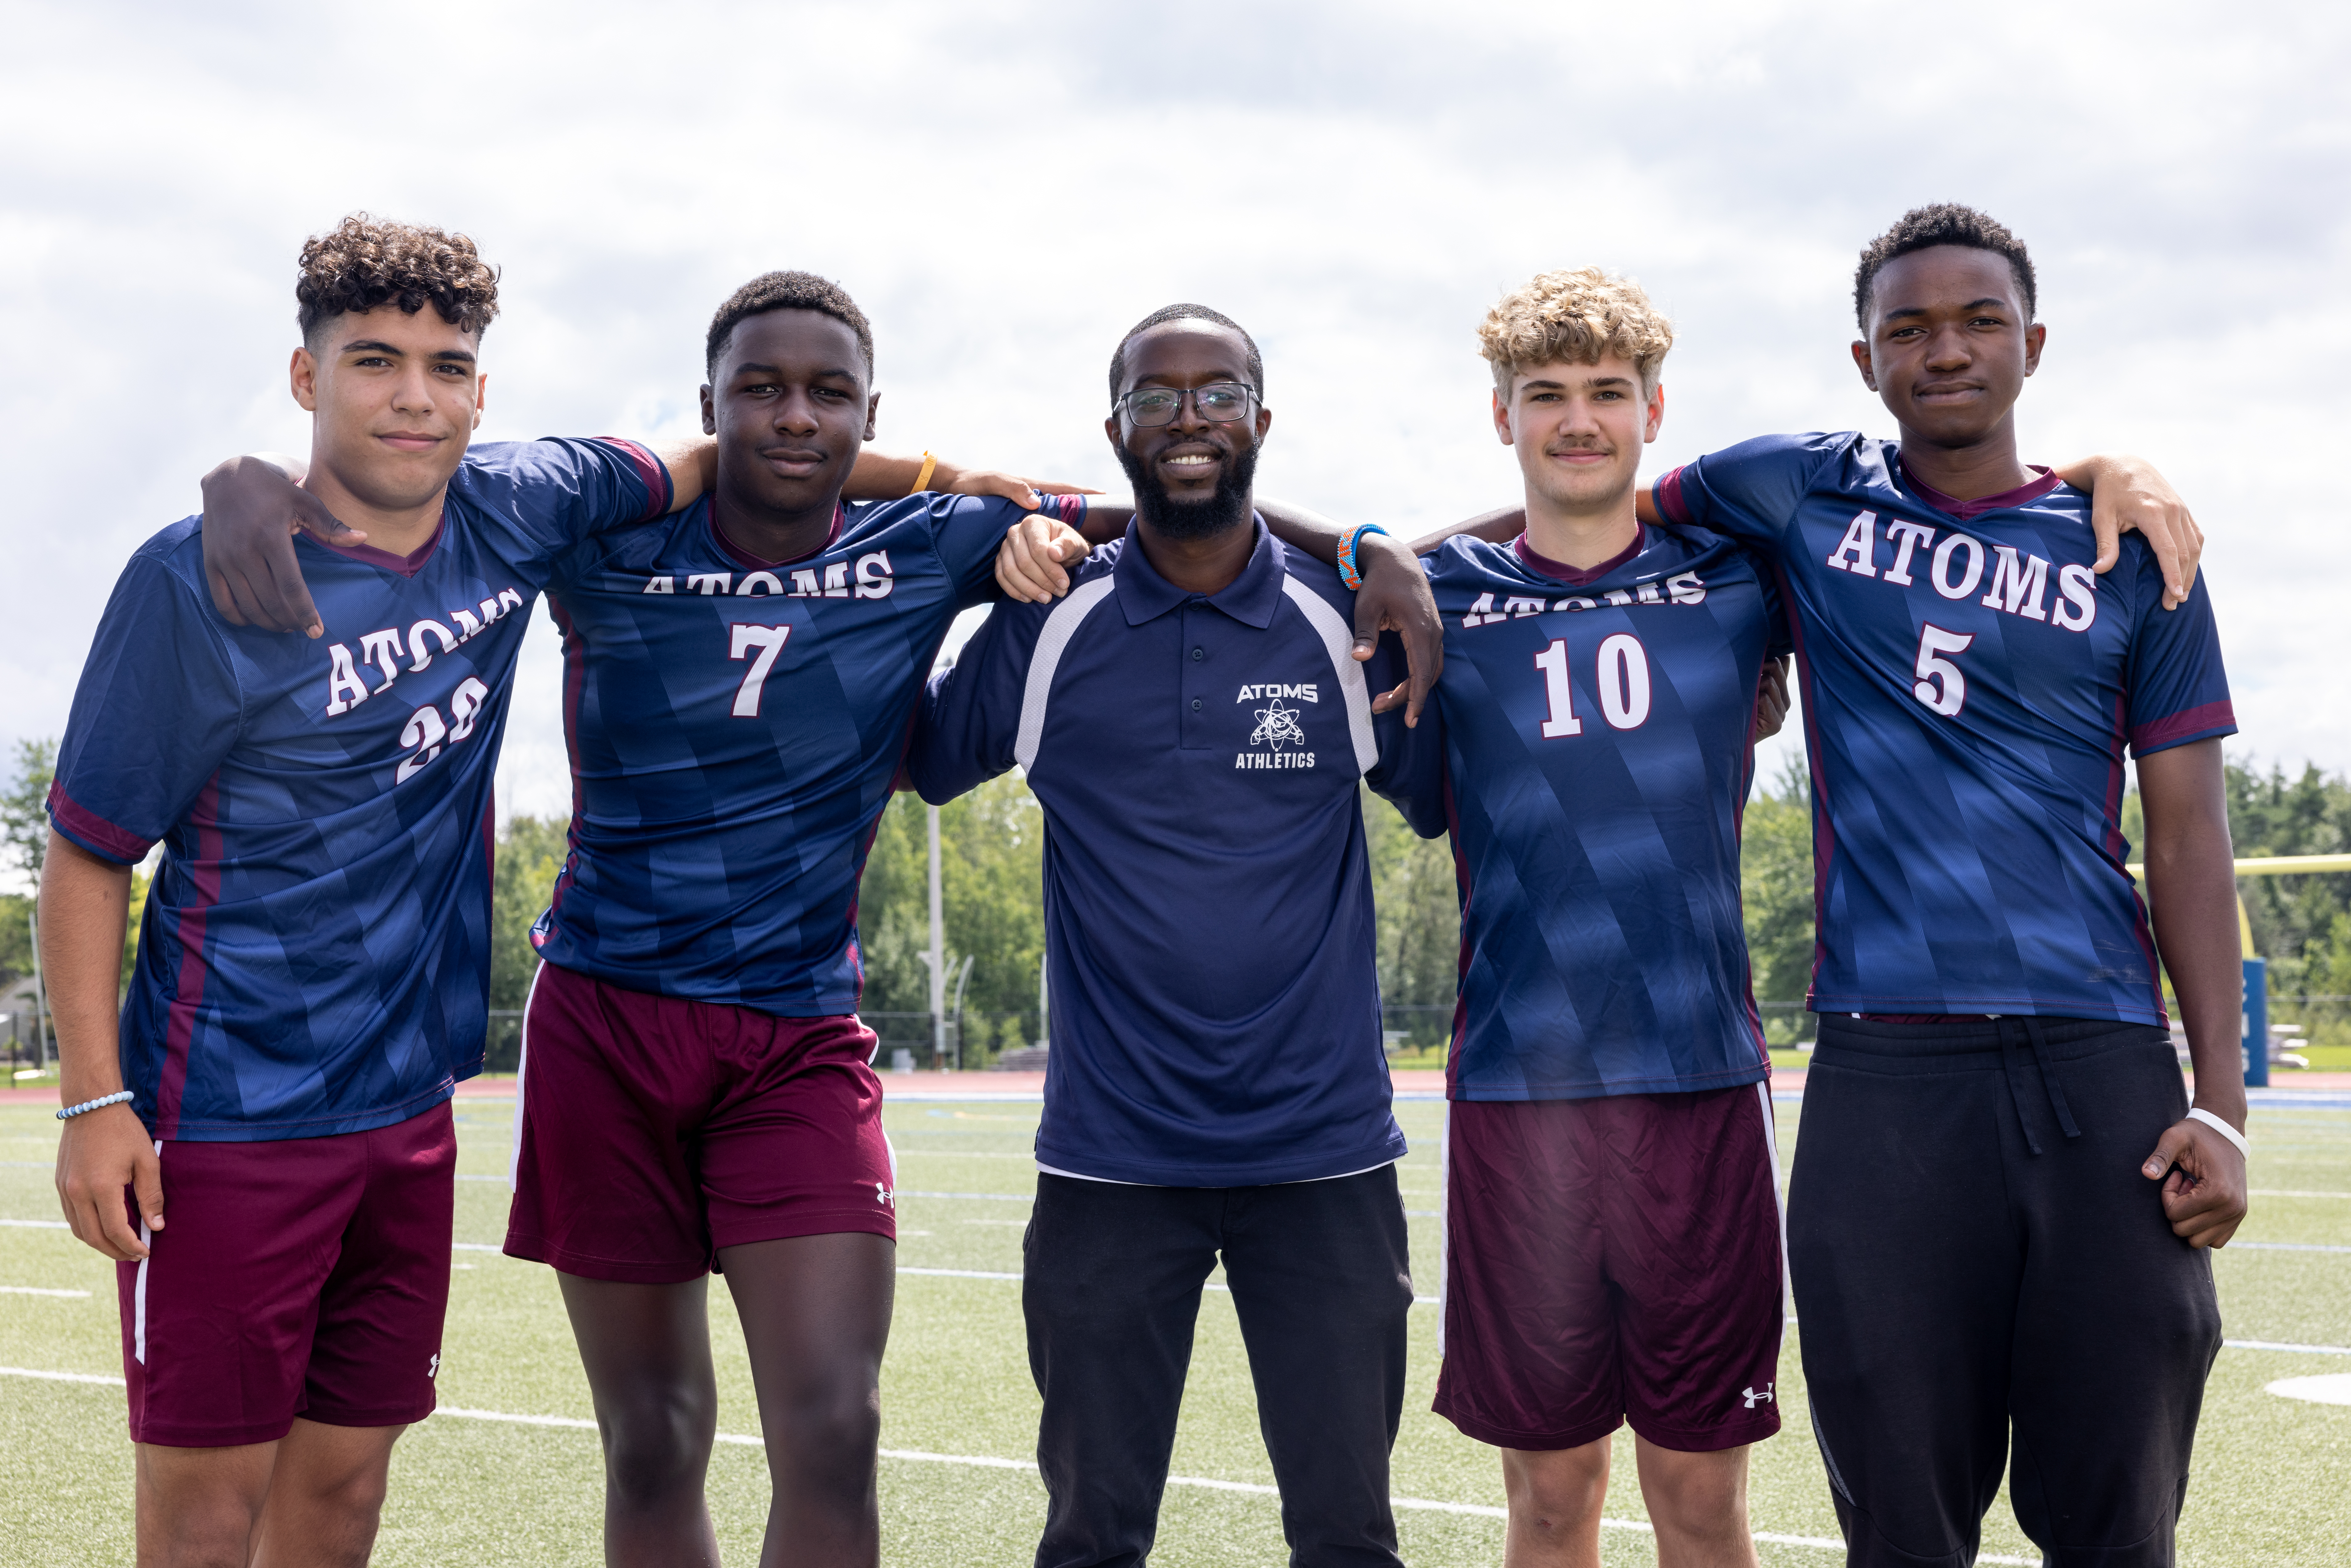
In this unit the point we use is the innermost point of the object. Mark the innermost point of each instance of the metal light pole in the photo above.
(40, 998)
(938, 955)
(963, 978)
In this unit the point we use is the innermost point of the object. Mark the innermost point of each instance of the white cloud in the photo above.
(1006, 188)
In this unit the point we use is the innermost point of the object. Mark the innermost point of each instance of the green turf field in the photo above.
(2273, 1483)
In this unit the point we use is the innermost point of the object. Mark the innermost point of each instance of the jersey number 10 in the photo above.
(1621, 676)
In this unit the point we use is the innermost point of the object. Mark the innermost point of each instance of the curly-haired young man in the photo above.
(1611, 1213)
(2001, 1202)
(313, 960)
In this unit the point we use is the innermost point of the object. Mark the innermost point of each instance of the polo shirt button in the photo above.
(1195, 705)
(1199, 654)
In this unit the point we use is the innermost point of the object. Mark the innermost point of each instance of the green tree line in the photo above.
(992, 857)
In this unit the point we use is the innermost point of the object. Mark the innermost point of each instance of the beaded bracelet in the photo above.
(115, 1098)
(1349, 542)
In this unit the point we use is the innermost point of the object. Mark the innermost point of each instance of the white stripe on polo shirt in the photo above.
(1339, 642)
(1052, 640)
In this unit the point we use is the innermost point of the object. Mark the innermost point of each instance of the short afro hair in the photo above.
(1576, 316)
(1944, 223)
(1167, 313)
(787, 291)
(369, 261)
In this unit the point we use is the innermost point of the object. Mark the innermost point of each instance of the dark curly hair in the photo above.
(1944, 223)
(369, 261)
(787, 291)
(1167, 313)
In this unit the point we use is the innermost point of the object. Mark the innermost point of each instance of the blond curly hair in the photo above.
(1575, 316)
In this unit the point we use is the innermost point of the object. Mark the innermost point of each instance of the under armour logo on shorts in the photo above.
(883, 1195)
(433, 1367)
(1753, 1398)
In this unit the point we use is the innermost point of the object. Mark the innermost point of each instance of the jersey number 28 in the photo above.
(1621, 672)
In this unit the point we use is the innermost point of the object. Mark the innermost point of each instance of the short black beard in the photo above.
(1228, 508)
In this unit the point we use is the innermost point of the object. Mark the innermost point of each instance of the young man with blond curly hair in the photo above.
(1612, 1224)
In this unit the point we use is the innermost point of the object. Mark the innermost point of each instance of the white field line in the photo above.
(61, 1377)
(982, 1461)
(39, 1290)
(2293, 1192)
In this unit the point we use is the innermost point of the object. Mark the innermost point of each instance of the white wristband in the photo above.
(2221, 1127)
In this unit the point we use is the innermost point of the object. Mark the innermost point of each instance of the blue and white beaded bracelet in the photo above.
(115, 1098)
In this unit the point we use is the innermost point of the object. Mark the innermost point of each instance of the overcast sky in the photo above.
(1007, 188)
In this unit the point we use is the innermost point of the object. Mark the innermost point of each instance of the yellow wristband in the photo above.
(923, 479)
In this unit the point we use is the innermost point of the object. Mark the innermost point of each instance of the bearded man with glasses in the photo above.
(1195, 724)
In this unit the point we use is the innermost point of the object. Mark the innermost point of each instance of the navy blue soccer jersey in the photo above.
(1590, 748)
(1970, 687)
(734, 726)
(314, 958)
(1208, 929)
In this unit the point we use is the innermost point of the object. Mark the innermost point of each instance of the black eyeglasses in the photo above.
(1220, 403)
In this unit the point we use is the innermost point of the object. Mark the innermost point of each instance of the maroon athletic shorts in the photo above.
(297, 1277)
(651, 1132)
(1610, 1260)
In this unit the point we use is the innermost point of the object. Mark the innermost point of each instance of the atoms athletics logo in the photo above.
(1278, 728)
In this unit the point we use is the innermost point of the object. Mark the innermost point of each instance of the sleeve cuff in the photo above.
(94, 832)
(2184, 728)
(1672, 505)
(651, 471)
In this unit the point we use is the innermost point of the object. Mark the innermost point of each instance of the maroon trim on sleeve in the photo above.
(1668, 493)
(650, 471)
(94, 832)
(1576, 576)
(2192, 723)
(1969, 510)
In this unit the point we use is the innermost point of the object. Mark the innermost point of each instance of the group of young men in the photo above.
(1570, 689)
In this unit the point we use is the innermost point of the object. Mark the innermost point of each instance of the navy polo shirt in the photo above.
(1209, 927)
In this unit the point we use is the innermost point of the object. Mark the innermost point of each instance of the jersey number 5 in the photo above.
(1940, 685)
(1623, 673)
(770, 641)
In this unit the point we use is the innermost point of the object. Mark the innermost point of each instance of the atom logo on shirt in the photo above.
(1275, 727)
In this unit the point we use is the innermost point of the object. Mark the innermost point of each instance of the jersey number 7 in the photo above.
(770, 641)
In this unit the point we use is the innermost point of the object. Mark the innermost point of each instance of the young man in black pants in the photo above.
(2000, 1199)
(1195, 724)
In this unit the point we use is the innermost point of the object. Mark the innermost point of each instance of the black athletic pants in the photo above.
(1321, 1279)
(1976, 1254)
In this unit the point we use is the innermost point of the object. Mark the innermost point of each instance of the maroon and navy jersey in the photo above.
(314, 958)
(734, 727)
(1588, 750)
(1970, 687)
